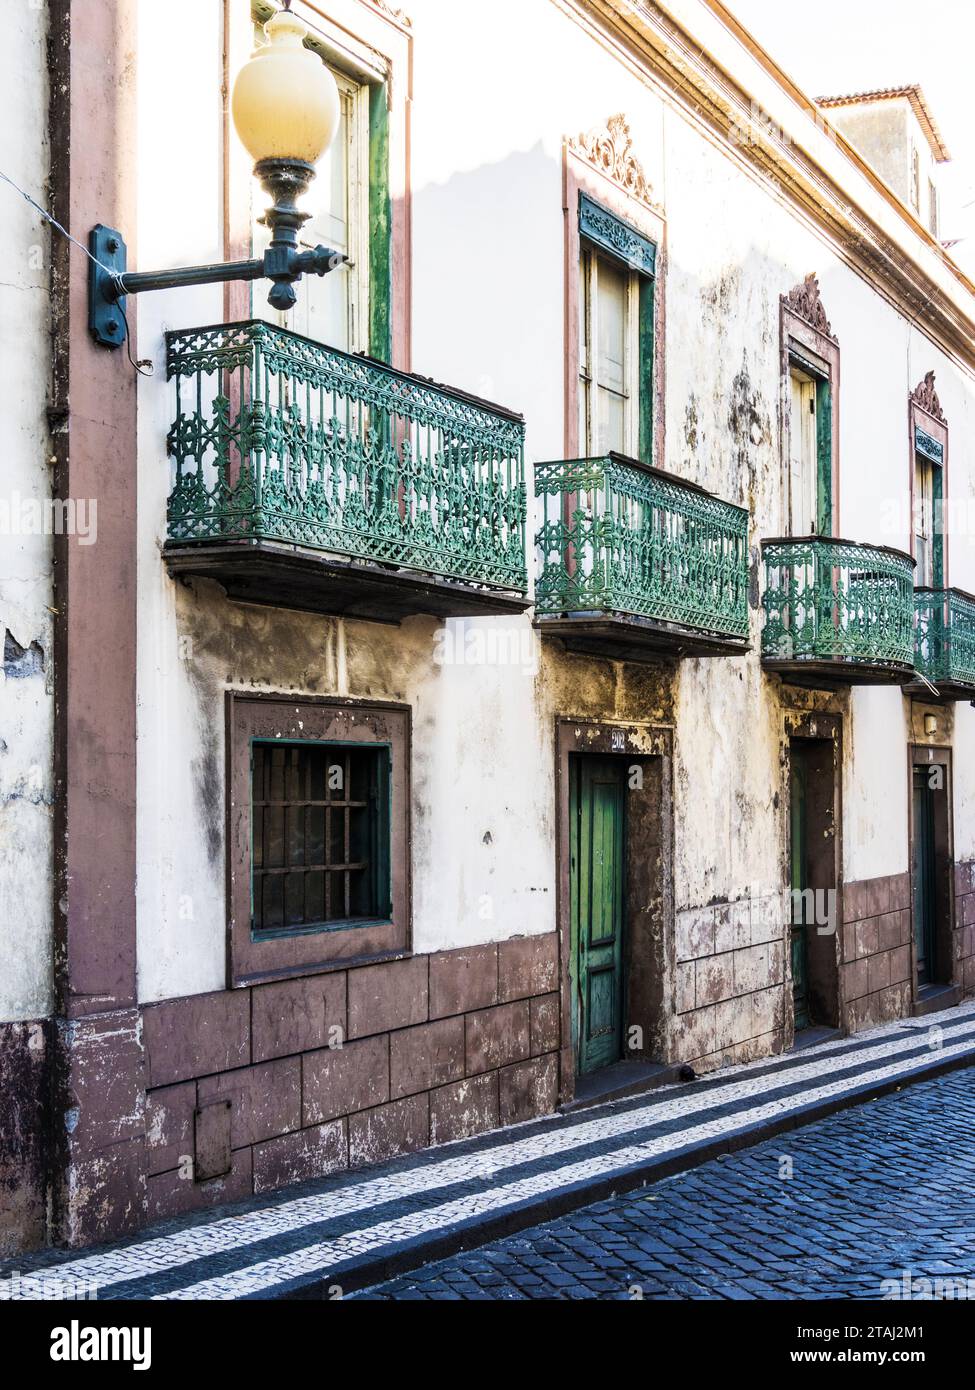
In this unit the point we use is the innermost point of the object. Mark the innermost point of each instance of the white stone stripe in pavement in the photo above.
(200, 1241)
(312, 1259)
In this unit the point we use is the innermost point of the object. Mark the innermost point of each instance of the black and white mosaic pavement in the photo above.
(876, 1202)
(345, 1231)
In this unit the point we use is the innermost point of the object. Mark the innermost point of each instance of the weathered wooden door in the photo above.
(924, 904)
(799, 832)
(597, 811)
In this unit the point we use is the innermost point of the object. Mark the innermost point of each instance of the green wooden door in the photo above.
(924, 875)
(799, 831)
(597, 810)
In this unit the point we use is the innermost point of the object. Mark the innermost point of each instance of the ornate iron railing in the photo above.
(280, 438)
(618, 536)
(836, 601)
(944, 636)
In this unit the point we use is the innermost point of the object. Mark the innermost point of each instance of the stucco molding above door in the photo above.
(804, 300)
(926, 397)
(609, 149)
(398, 16)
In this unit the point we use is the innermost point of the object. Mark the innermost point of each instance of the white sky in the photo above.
(838, 46)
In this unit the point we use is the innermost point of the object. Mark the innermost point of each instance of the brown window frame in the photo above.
(308, 949)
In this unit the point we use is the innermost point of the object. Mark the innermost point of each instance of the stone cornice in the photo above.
(710, 96)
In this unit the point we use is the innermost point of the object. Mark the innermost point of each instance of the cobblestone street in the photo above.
(829, 1211)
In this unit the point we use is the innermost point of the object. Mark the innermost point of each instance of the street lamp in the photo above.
(285, 106)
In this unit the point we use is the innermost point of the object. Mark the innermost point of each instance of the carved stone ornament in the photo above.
(804, 301)
(926, 397)
(399, 16)
(611, 151)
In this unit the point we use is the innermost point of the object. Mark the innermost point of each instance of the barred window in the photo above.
(321, 829)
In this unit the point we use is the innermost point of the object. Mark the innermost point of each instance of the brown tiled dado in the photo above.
(876, 951)
(197, 1035)
(529, 1089)
(463, 980)
(398, 1128)
(297, 1015)
(527, 965)
(348, 1067)
(175, 1193)
(391, 995)
(308, 1153)
(464, 1108)
(212, 1140)
(426, 1056)
(169, 1125)
(265, 1099)
(497, 1037)
(963, 954)
(338, 1081)
(544, 1024)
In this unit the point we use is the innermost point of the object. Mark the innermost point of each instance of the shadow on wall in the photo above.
(488, 287)
(488, 316)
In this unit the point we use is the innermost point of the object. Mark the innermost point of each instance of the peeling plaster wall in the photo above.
(26, 699)
(487, 315)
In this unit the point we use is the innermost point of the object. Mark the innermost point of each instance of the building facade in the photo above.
(542, 660)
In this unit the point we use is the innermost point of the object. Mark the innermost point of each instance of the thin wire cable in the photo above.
(145, 365)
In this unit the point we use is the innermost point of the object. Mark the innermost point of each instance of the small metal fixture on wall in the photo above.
(285, 107)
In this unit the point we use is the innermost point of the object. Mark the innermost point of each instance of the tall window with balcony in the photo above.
(615, 340)
(633, 560)
(837, 612)
(334, 309)
(928, 541)
(944, 652)
(609, 379)
(309, 475)
(810, 450)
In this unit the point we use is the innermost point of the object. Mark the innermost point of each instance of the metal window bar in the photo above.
(290, 852)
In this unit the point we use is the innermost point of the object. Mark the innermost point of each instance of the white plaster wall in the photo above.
(964, 783)
(26, 701)
(492, 103)
(180, 912)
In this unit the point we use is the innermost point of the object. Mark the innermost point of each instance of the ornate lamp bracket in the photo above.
(109, 282)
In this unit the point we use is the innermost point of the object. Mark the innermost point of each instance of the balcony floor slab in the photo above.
(286, 576)
(947, 691)
(817, 674)
(626, 637)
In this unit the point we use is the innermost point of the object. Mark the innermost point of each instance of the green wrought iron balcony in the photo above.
(311, 478)
(635, 563)
(944, 643)
(837, 613)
